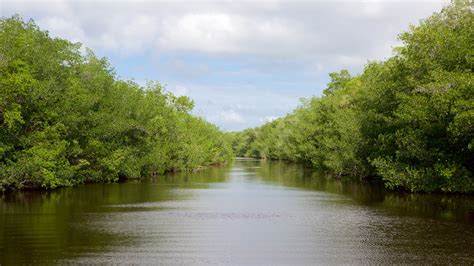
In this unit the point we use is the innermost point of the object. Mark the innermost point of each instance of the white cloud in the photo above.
(236, 108)
(269, 118)
(179, 90)
(256, 44)
(63, 27)
(307, 30)
(203, 32)
(231, 116)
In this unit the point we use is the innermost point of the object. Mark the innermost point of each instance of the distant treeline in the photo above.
(408, 120)
(65, 118)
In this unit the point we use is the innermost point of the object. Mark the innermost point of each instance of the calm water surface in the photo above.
(250, 212)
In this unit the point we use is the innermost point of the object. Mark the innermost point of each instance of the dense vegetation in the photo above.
(408, 120)
(65, 118)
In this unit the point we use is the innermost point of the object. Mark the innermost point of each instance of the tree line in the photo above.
(407, 121)
(65, 118)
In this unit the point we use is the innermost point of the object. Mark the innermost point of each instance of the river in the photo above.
(249, 212)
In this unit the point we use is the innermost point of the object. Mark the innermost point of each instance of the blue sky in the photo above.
(242, 62)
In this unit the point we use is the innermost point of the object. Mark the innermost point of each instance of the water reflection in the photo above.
(39, 227)
(251, 212)
(441, 207)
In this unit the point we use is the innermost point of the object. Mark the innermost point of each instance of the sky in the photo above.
(242, 62)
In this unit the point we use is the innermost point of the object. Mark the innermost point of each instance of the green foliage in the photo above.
(408, 121)
(66, 119)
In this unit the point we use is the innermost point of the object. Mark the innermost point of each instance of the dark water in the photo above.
(250, 212)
